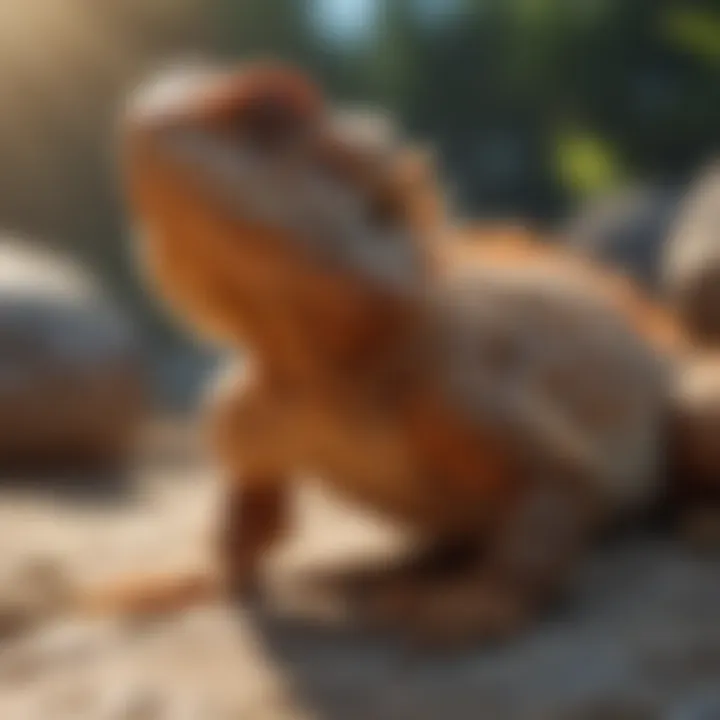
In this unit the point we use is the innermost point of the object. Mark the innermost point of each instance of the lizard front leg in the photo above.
(253, 517)
(254, 509)
(245, 433)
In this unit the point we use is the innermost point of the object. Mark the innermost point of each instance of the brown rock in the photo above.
(71, 390)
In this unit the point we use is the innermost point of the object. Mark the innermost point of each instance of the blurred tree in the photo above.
(643, 80)
(528, 99)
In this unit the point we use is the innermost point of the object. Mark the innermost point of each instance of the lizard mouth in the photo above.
(261, 145)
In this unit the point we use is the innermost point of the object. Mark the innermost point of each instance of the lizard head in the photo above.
(251, 182)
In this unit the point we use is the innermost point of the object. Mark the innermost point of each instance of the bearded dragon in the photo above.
(481, 388)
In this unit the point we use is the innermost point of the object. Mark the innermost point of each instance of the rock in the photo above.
(691, 264)
(701, 529)
(135, 703)
(611, 708)
(627, 230)
(31, 593)
(696, 425)
(68, 643)
(71, 385)
(700, 706)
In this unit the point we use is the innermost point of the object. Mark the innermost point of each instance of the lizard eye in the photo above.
(268, 123)
(272, 108)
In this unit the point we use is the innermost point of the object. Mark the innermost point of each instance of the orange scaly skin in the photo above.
(501, 395)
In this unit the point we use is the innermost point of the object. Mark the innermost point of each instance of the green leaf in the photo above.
(585, 163)
(695, 30)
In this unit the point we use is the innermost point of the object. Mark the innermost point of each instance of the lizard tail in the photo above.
(146, 596)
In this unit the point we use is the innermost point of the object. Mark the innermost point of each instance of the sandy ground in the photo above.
(639, 640)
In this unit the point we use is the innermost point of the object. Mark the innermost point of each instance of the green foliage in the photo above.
(497, 83)
(695, 30)
(586, 163)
